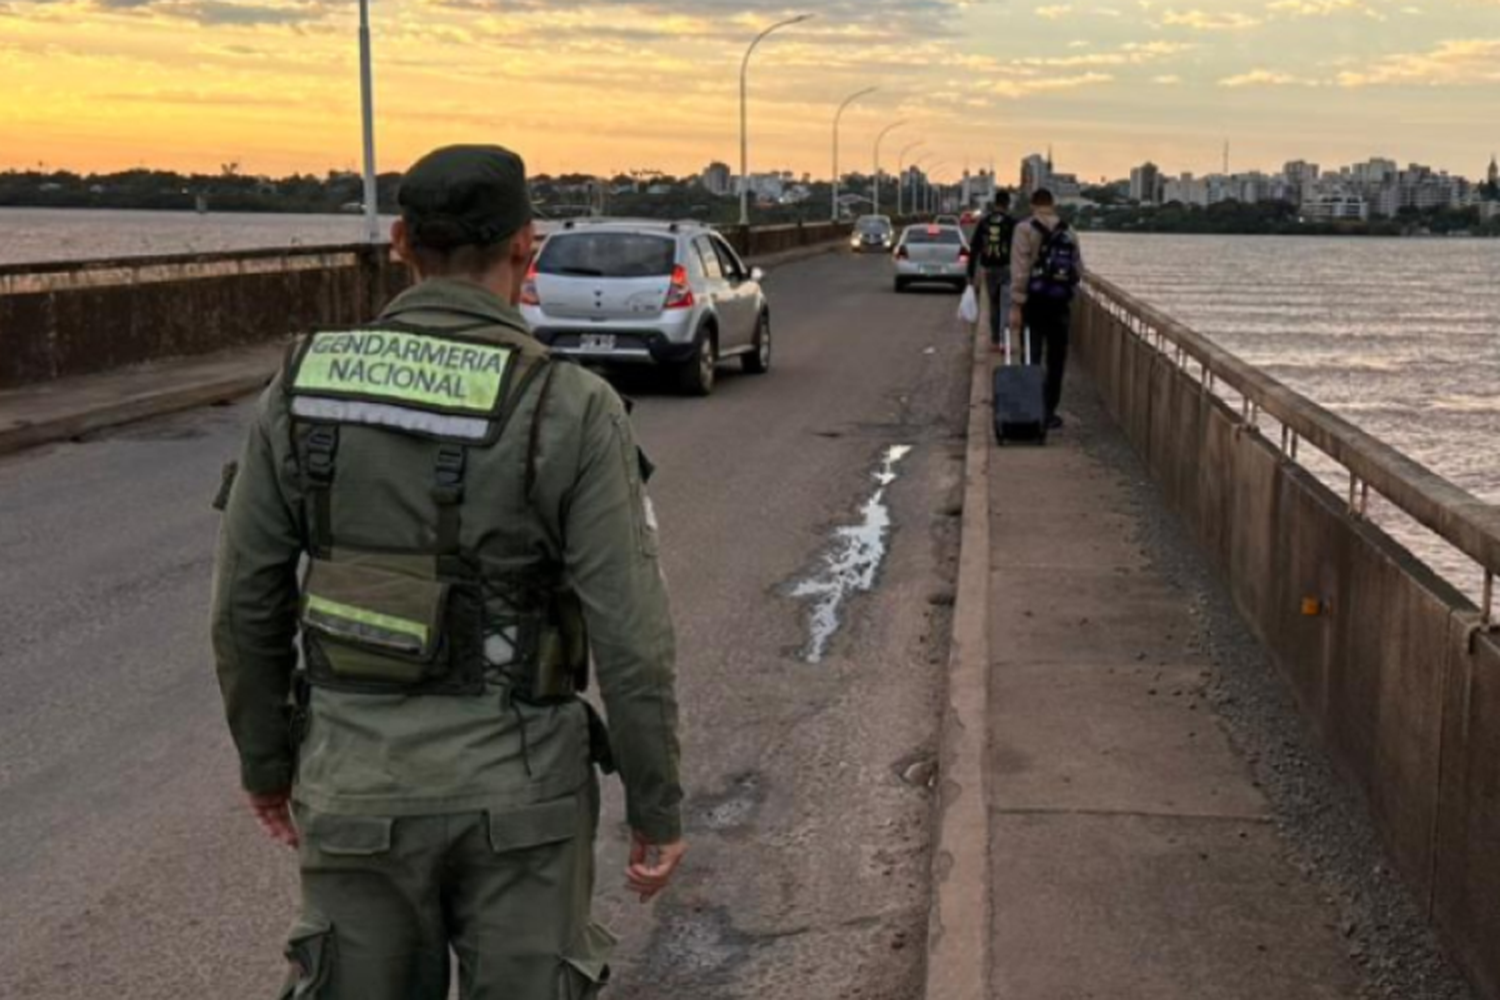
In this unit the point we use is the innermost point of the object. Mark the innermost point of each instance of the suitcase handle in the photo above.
(1026, 340)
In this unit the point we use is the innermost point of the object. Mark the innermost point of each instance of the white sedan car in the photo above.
(936, 254)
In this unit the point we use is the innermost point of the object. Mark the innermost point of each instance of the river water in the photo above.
(1400, 336)
(40, 234)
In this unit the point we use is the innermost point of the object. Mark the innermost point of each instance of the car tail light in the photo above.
(963, 255)
(680, 293)
(529, 297)
(901, 252)
(933, 230)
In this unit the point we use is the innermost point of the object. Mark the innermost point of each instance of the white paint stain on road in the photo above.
(852, 563)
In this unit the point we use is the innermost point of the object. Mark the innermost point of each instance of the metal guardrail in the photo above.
(1465, 521)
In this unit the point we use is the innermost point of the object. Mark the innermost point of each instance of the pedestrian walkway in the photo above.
(1132, 856)
(68, 408)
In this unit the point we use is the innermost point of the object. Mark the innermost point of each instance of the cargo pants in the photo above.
(385, 900)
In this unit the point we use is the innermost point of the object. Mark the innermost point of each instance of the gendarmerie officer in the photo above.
(448, 521)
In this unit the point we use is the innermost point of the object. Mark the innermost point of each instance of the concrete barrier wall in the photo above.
(76, 319)
(59, 320)
(1394, 673)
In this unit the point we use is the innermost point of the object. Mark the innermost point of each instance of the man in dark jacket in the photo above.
(991, 250)
(1046, 268)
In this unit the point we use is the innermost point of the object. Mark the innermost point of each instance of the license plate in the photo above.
(597, 342)
(929, 269)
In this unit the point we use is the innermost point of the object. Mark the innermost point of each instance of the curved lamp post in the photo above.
(837, 116)
(878, 140)
(901, 173)
(745, 114)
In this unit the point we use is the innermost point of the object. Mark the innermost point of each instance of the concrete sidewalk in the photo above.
(69, 408)
(1132, 856)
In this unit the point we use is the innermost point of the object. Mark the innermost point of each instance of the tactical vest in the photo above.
(382, 618)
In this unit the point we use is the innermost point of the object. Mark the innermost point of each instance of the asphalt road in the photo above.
(128, 867)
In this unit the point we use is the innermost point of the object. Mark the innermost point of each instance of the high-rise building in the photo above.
(718, 179)
(1036, 172)
(1145, 184)
(1301, 179)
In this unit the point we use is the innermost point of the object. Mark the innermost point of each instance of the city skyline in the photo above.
(271, 84)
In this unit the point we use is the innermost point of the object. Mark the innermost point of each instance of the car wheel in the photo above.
(900, 284)
(758, 361)
(696, 375)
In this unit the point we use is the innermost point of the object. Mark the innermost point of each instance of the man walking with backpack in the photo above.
(1046, 266)
(991, 249)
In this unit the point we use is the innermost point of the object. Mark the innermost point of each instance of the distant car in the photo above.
(872, 233)
(969, 218)
(931, 253)
(948, 220)
(625, 292)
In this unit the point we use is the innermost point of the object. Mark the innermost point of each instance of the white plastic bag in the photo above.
(968, 306)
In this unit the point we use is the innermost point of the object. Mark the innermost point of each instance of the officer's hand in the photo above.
(274, 814)
(651, 865)
(1015, 319)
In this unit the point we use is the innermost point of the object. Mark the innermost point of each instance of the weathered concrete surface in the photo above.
(958, 929)
(63, 320)
(61, 409)
(131, 869)
(1132, 855)
(1376, 665)
(69, 408)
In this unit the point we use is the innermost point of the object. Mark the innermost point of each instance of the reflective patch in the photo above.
(650, 511)
(371, 627)
(347, 411)
(397, 366)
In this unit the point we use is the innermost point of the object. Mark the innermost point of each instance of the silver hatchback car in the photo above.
(628, 292)
(932, 253)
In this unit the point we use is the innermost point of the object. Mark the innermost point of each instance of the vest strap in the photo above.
(448, 493)
(318, 470)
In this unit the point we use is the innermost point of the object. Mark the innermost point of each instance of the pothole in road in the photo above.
(852, 563)
(732, 809)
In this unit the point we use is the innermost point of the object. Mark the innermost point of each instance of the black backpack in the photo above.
(1059, 267)
(998, 230)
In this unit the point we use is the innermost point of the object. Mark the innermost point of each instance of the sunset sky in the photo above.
(615, 85)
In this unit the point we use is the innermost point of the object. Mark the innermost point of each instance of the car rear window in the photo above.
(943, 236)
(608, 255)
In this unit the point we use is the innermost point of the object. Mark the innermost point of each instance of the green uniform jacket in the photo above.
(588, 515)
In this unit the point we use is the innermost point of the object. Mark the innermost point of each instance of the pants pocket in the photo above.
(310, 952)
(585, 969)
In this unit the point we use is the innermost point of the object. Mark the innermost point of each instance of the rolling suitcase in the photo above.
(1020, 399)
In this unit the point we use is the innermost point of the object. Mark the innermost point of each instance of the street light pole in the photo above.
(367, 110)
(745, 114)
(901, 174)
(837, 116)
(878, 140)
